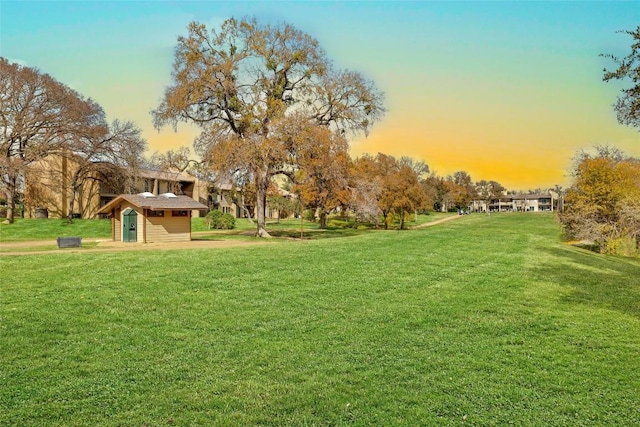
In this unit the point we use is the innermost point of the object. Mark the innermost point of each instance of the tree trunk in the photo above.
(247, 214)
(323, 220)
(72, 199)
(262, 184)
(75, 184)
(11, 199)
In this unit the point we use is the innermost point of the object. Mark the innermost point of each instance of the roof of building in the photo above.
(165, 175)
(531, 196)
(155, 203)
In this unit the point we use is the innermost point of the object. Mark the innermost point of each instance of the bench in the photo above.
(69, 242)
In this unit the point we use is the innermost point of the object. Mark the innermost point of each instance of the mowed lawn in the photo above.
(484, 320)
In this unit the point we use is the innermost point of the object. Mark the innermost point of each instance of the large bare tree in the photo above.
(41, 117)
(243, 82)
(37, 117)
(99, 152)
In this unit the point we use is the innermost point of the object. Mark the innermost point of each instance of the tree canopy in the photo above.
(38, 116)
(41, 117)
(628, 68)
(254, 89)
(322, 180)
(602, 204)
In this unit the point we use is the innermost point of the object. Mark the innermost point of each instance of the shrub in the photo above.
(622, 246)
(309, 215)
(217, 220)
(227, 222)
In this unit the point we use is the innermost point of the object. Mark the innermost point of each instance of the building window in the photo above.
(179, 213)
(151, 213)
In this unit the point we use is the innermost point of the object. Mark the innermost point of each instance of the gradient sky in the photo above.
(507, 91)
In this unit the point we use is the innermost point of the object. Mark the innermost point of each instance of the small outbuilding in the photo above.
(148, 218)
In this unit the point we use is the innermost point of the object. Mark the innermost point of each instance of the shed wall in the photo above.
(168, 228)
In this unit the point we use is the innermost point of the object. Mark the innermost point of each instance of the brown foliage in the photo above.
(321, 182)
(394, 186)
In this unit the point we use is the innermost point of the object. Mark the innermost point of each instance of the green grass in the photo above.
(486, 320)
(42, 248)
(46, 229)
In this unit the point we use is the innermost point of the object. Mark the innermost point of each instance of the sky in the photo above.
(506, 91)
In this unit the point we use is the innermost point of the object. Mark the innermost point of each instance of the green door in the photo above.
(129, 225)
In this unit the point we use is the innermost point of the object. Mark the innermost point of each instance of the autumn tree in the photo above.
(436, 190)
(365, 187)
(385, 167)
(242, 83)
(322, 179)
(403, 193)
(398, 191)
(488, 190)
(602, 203)
(457, 191)
(627, 106)
(38, 117)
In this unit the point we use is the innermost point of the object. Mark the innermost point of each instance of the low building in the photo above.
(49, 183)
(147, 217)
(156, 182)
(517, 203)
(48, 189)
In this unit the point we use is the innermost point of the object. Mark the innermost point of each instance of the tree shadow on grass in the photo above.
(314, 234)
(283, 233)
(594, 279)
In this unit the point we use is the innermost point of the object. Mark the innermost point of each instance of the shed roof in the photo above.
(155, 203)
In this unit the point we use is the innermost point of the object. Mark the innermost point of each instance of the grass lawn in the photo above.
(25, 229)
(486, 320)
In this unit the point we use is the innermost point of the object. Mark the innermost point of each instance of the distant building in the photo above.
(517, 203)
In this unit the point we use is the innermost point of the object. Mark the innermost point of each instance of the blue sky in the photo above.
(504, 90)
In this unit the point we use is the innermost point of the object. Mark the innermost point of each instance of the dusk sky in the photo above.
(507, 91)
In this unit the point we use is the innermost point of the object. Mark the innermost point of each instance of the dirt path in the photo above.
(439, 221)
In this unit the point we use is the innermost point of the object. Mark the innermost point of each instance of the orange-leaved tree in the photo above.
(322, 180)
(383, 185)
(402, 192)
(602, 204)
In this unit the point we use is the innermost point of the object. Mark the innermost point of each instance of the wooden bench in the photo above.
(69, 242)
